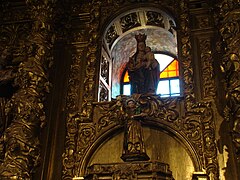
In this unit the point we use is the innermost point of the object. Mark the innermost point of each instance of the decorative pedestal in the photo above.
(199, 176)
(130, 170)
(135, 157)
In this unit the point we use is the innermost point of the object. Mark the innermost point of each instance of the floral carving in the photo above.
(111, 35)
(186, 59)
(89, 82)
(71, 145)
(86, 136)
(129, 21)
(229, 22)
(130, 170)
(154, 18)
(207, 70)
(74, 79)
(196, 124)
(25, 109)
(202, 135)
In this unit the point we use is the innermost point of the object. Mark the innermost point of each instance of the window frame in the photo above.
(169, 78)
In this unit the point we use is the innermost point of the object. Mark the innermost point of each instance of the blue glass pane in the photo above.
(165, 95)
(174, 84)
(175, 94)
(163, 87)
(127, 89)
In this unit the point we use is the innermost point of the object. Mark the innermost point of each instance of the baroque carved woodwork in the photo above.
(136, 170)
(185, 53)
(25, 109)
(229, 23)
(196, 124)
(208, 87)
(87, 120)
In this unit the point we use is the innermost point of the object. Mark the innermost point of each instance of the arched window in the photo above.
(168, 80)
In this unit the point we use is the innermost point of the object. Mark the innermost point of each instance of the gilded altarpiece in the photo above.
(191, 120)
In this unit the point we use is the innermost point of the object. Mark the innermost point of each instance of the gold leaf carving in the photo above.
(229, 22)
(25, 109)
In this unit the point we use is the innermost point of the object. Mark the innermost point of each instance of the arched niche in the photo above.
(163, 143)
(119, 43)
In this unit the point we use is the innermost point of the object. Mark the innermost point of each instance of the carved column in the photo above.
(80, 129)
(26, 108)
(185, 32)
(185, 54)
(229, 24)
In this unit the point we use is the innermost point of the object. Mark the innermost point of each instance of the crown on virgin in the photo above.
(141, 37)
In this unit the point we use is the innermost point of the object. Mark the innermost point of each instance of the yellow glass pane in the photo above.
(171, 70)
(172, 74)
(164, 75)
(172, 66)
(126, 78)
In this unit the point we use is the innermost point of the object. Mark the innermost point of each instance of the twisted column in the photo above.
(26, 108)
(229, 29)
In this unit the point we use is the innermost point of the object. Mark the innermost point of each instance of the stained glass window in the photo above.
(169, 84)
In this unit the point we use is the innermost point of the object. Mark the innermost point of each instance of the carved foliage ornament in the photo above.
(110, 116)
(25, 109)
(154, 18)
(230, 32)
(74, 79)
(207, 70)
(89, 81)
(186, 58)
(72, 152)
(130, 21)
(197, 126)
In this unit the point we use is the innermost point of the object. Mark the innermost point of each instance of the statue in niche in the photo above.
(133, 146)
(143, 68)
